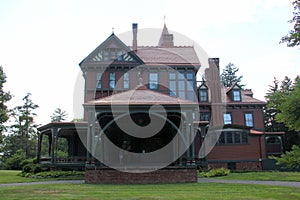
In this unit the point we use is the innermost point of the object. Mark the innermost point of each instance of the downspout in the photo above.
(260, 152)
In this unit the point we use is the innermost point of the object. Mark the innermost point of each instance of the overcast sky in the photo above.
(42, 42)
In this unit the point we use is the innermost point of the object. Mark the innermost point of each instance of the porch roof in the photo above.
(139, 96)
(256, 132)
(63, 125)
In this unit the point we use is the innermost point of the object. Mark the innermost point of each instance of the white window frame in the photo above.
(112, 80)
(249, 120)
(227, 118)
(126, 80)
(236, 94)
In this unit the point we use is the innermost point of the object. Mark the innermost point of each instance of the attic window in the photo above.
(236, 95)
(203, 93)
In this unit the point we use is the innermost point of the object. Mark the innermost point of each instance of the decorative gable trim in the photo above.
(111, 50)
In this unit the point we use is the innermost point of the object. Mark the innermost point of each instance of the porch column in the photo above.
(40, 139)
(189, 121)
(53, 136)
(90, 134)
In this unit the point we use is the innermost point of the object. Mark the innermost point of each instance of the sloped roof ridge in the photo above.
(180, 46)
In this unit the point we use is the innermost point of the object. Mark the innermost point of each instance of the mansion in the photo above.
(130, 90)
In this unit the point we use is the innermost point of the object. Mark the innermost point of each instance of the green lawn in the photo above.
(264, 176)
(10, 176)
(159, 191)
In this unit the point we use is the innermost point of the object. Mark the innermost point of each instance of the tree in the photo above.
(58, 115)
(24, 125)
(290, 108)
(275, 97)
(229, 76)
(4, 97)
(293, 37)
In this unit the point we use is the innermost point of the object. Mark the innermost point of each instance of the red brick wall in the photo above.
(168, 175)
(251, 151)
(238, 118)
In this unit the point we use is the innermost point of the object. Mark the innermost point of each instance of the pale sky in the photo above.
(42, 42)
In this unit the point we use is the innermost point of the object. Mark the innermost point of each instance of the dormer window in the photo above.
(203, 93)
(236, 95)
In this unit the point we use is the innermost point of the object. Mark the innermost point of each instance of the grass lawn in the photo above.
(264, 176)
(159, 191)
(10, 176)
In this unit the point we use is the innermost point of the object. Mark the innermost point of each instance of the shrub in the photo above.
(27, 168)
(290, 159)
(37, 169)
(14, 162)
(58, 174)
(215, 172)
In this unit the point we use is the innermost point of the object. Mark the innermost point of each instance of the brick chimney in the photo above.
(134, 40)
(212, 75)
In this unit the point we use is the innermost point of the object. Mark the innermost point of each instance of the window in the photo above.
(190, 86)
(172, 84)
(119, 55)
(227, 118)
(126, 80)
(153, 81)
(204, 116)
(99, 81)
(203, 95)
(112, 80)
(182, 85)
(249, 119)
(236, 95)
(233, 137)
(229, 138)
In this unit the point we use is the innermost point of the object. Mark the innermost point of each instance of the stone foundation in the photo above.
(166, 175)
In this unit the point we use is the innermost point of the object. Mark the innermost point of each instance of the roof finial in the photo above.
(113, 30)
(164, 19)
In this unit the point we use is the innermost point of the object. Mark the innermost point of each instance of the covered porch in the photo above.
(140, 131)
(60, 145)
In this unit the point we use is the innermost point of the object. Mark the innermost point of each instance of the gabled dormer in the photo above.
(112, 50)
(203, 92)
(235, 92)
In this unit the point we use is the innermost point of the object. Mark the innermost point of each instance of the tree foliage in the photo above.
(229, 76)
(24, 125)
(4, 97)
(276, 97)
(290, 159)
(290, 108)
(293, 37)
(58, 115)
